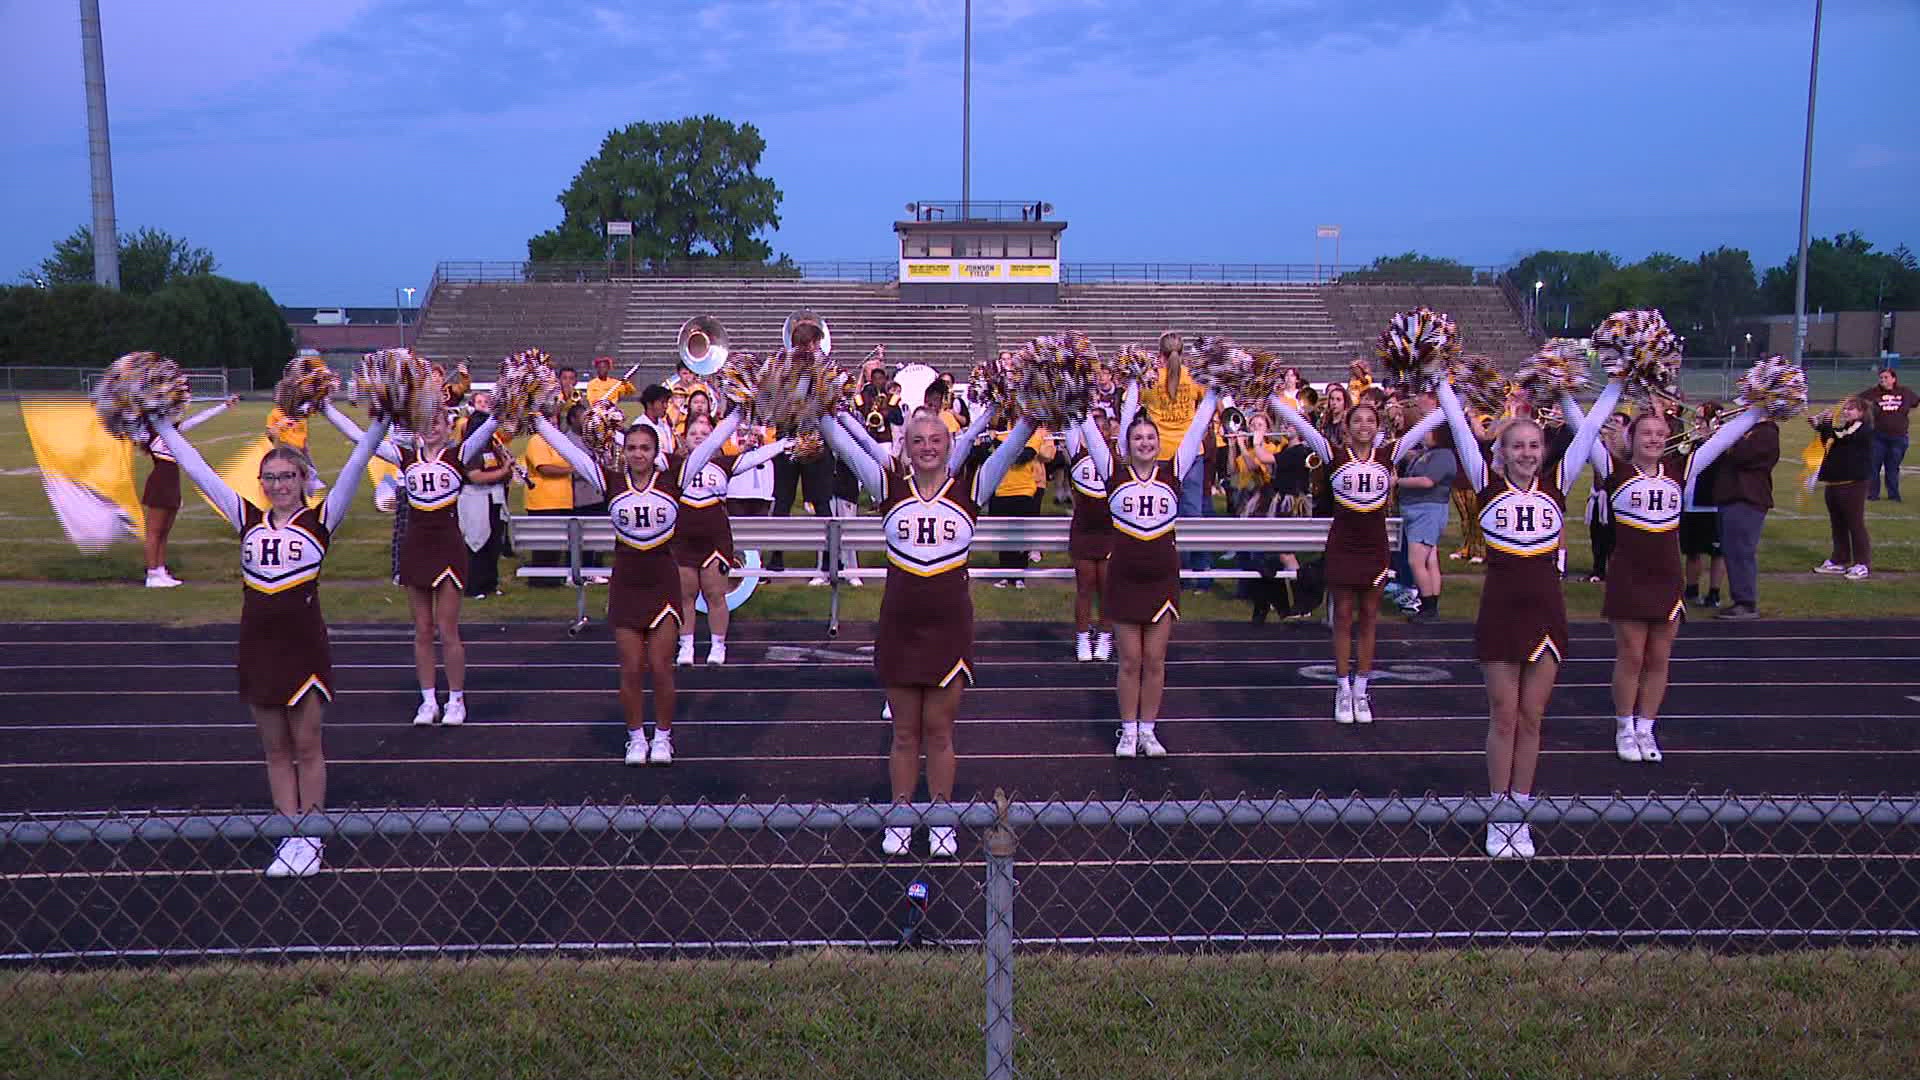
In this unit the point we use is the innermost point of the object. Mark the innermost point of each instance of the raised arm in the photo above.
(477, 440)
(873, 478)
(196, 467)
(963, 443)
(1089, 435)
(1189, 451)
(577, 457)
(1600, 457)
(1466, 444)
(1309, 435)
(1588, 434)
(1129, 408)
(865, 438)
(994, 469)
(699, 456)
(334, 510)
(386, 451)
(760, 455)
(1416, 435)
(1708, 452)
(204, 415)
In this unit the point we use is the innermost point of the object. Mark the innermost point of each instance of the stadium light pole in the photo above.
(966, 108)
(1806, 195)
(106, 236)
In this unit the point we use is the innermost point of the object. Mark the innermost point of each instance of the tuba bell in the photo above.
(804, 317)
(703, 344)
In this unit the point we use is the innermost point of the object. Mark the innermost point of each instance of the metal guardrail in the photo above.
(207, 382)
(883, 271)
(778, 939)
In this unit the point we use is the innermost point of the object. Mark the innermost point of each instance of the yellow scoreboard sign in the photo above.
(982, 270)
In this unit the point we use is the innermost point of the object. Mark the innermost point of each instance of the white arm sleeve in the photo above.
(699, 456)
(581, 462)
(477, 439)
(334, 510)
(202, 417)
(1129, 408)
(1417, 434)
(865, 438)
(873, 479)
(1587, 435)
(1189, 451)
(1310, 435)
(1073, 439)
(1708, 452)
(753, 459)
(1466, 445)
(1600, 457)
(386, 452)
(994, 469)
(202, 473)
(963, 443)
(1089, 433)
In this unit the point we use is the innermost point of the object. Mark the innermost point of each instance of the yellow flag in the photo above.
(242, 473)
(87, 472)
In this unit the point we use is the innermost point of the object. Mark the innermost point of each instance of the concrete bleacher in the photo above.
(1488, 323)
(482, 322)
(1290, 320)
(860, 315)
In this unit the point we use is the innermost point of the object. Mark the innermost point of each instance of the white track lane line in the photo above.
(1265, 688)
(824, 642)
(1065, 662)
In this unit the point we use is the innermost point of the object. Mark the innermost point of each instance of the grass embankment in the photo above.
(1839, 1013)
(69, 584)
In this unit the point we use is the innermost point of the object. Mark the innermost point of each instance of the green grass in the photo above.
(43, 577)
(1838, 1013)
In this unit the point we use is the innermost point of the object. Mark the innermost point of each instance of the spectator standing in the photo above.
(1170, 404)
(1848, 433)
(1700, 524)
(1426, 487)
(1744, 492)
(549, 494)
(483, 503)
(1018, 493)
(1891, 403)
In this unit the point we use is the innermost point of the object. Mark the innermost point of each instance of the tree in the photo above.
(201, 321)
(149, 259)
(1412, 268)
(1846, 274)
(688, 186)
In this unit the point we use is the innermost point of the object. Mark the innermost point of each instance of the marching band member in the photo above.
(160, 495)
(703, 539)
(604, 387)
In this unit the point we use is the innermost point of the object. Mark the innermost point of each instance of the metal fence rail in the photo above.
(781, 940)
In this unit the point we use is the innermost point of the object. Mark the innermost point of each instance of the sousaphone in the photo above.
(703, 344)
(801, 318)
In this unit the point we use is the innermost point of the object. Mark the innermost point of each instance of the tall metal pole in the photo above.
(106, 238)
(1806, 197)
(966, 109)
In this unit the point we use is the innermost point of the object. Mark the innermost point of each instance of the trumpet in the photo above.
(804, 317)
(703, 344)
(1683, 433)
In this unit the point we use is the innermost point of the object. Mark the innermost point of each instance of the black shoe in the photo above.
(1738, 611)
(1712, 599)
(1893, 498)
(1691, 595)
(1876, 498)
(1260, 615)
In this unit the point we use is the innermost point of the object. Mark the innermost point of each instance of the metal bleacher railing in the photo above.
(882, 271)
(1268, 936)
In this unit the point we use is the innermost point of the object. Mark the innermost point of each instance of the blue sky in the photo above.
(334, 150)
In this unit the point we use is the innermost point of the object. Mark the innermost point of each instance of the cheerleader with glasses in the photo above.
(433, 554)
(285, 666)
(923, 645)
(1143, 575)
(1520, 636)
(1360, 475)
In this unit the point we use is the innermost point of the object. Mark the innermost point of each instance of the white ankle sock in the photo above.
(717, 639)
(1346, 683)
(686, 640)
(426, 696)
(1360, 685)
(1643, 725)
(1624, 724)
(456, 695)
(1146, 727)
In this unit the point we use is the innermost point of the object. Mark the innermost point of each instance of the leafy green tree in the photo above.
(201, 321)
(1412, 268)
(688, 186)
(149, 259)
(68, 325)
(1846, 274)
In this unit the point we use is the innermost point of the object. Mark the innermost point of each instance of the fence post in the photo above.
(999, 939)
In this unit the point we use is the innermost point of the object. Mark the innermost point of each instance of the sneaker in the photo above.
(886, 711)
(1712, 600)
(1018, 584)
(1456, 556)
(426, 714)
(1103, 646)
(1478, 560)
(1343, 706)
(1856, 572)
(716, 654)
(1033, 557)
(1738, 611)
(636, 747)
(1829, 567)
(1083, 647)
(1000, 584)
(854, 583)
(1626, 745)
(660, 750)
(943, 842)
(160, 579)
(894, 840)
(1362, 709)
(1649, 749)
(1500, 841)
(454, 714)
(817, 582)
(1522, 840)
(1129, 741)
(1150, 743)
(298, 856)
(283, 859)
(684, 658)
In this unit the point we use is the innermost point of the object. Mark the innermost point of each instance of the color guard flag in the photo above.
(87, 472)
(242, 474)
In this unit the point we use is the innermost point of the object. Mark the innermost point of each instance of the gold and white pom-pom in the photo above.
(1557, 367)
(526, 387)
(137, 386)
(305, 385)
(1417, 347)
(1775, 387)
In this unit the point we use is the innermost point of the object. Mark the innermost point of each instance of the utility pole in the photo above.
(966, 109)
(1806, 198)
(106, 237)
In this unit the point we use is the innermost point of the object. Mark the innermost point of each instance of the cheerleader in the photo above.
(923, 645)
(285, 668)
(1361, 477)
(1143, 574)
(1520, 636)
(1089, 538)
(432, 553)
(644, 594)
(703, 538)
(1642, 487)
(160, 495)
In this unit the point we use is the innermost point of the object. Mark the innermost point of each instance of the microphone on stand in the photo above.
(916, 932)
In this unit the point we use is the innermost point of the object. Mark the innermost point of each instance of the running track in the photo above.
(132, 717)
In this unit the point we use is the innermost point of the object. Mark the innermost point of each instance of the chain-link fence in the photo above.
(1308, 937)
